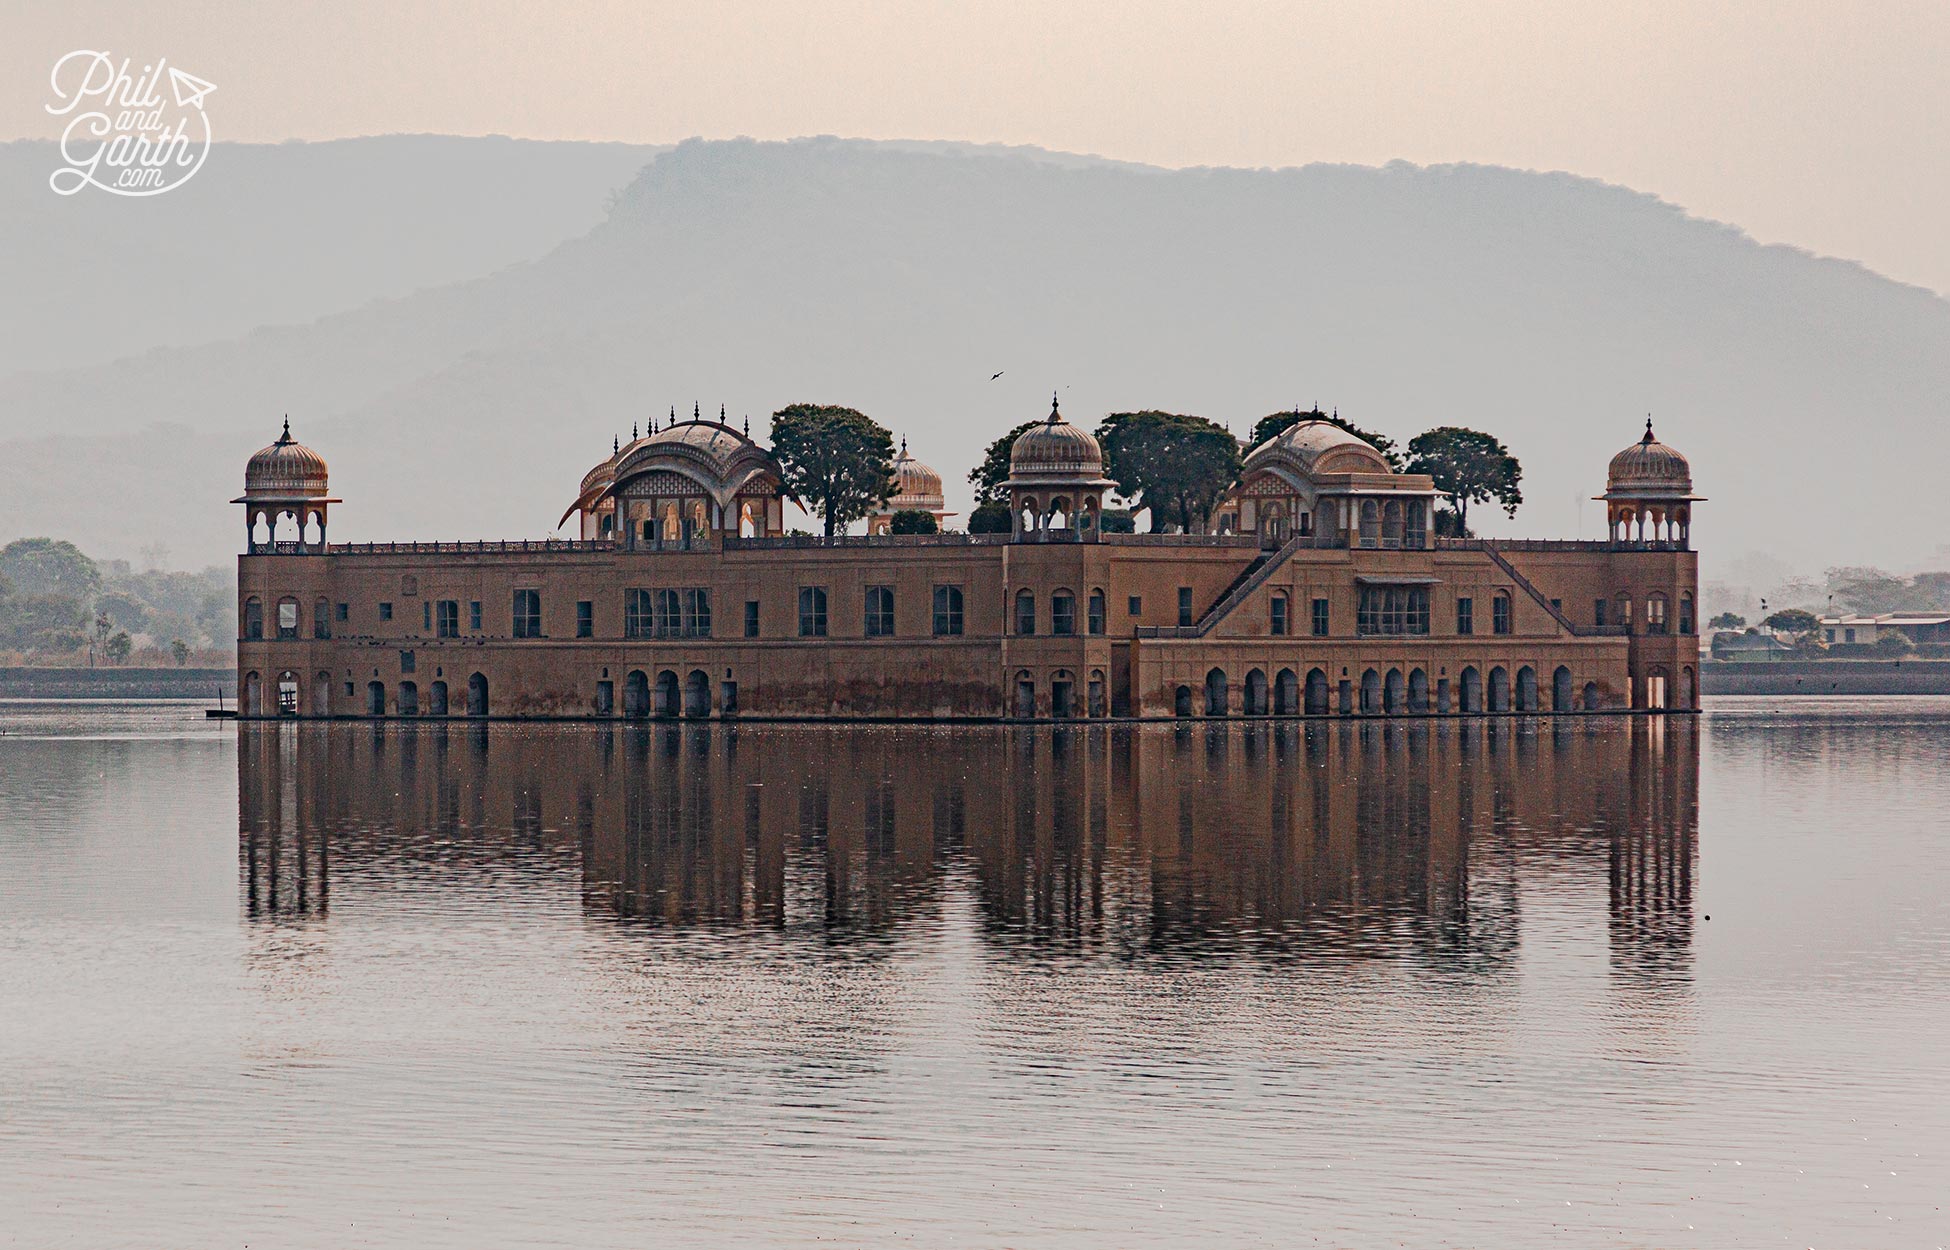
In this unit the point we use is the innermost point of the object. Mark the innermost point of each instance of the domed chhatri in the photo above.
(678, 486)
(1056, 480)
(1321, 446)
(286, 479)
(1649, 494)
(1315, 479)
(917, 488)
(286, 469)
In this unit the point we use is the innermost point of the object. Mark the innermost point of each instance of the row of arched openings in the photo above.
(405, 699)
(668, 697)
(1389, 693)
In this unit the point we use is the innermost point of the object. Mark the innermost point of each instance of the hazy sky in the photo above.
(1813, 122)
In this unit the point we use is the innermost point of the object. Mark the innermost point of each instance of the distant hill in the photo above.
(273, 233)
(1553, 310)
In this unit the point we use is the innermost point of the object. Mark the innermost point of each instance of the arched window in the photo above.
(1256, 692)
(1561, 696)
(1317, 695)
(1025, 612)
(1097, 623)
(287, 693)
(409, 698)
(1370, 523)
(1282, 616)
(1286, 693)
(1500, 613)
(666, 701)
(1370, 691)
(1391, 523)
(375, 698)
(1418, 691)
(252, 695)
(437, 699)
(1025, 696)
(1062, 695)
(697, 694)
(1099, 696)
(1062, 613)
(1181, 701)
(1655, 614)
(636, 694)
(1526, 689)
(477, 695)
(287, 617)
(1499, 689)
(253, 624)
(1215, 692)
(1686, 620)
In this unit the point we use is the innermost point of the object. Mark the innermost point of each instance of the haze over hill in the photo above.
(272, 233)
(1549, 309)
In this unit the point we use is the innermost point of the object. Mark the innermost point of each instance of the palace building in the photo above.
(1322, 590)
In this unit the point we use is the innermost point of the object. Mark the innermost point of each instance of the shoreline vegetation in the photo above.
(60, 608)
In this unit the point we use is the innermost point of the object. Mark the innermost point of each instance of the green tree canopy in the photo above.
(1274, 424)
(44, 566)
(1468, 467)
(990, 518)
(43, 623)
(1174, 464)
(988, 476)
(913, 521)
(837, 459)
(1792, 621)
(1892, 643)
(1727, 620)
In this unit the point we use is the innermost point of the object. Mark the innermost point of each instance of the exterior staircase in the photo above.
(1250, 578)
(1524, 584)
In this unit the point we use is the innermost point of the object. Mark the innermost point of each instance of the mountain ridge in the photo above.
(1547, 307)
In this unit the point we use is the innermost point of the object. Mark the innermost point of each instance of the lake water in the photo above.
(1591, 982)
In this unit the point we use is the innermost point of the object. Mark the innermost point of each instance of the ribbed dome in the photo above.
(1649, 466)
(285, 469)
(916, 486)
(1309, 442)
(1055, 449)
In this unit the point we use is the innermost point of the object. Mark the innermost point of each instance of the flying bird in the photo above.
(998, 373)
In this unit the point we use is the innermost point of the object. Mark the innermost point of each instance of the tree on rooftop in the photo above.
(838, 460)
(1727, 620)
(1468, 466)
(988, 476)
(1172, 463)
(913, 521)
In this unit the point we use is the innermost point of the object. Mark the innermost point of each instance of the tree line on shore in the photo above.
(1173, 466)
(58, 605)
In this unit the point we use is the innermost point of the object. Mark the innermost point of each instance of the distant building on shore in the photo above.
(1915, 626)
(1323, 591)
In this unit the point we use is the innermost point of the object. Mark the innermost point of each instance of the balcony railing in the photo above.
(482, 546)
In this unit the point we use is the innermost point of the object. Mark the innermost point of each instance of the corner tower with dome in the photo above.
(1321, 590)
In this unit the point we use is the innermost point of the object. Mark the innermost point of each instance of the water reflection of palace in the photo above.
(1365, 837)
